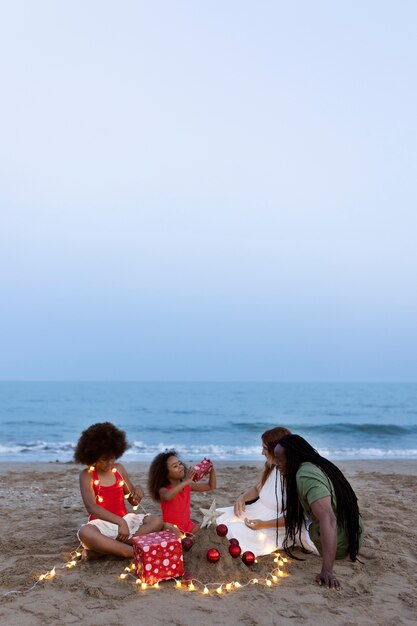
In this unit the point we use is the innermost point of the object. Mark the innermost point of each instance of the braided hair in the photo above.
(298, 451)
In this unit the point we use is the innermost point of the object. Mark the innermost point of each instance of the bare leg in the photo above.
(196, 528)
(97, 544)
(151, 524)
(173, 529)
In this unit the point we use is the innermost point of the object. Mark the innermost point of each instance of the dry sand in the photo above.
(41, 510)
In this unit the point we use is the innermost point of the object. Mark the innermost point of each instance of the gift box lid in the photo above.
(158, 538)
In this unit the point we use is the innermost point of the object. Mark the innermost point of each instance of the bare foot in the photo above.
(173, 529)
(90, 555)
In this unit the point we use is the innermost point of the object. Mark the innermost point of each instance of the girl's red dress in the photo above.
(113, 495)
(177, 510)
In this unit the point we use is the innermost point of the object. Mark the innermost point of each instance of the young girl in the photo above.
(170, 484)
(104, 487)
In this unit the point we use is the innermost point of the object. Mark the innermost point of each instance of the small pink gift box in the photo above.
(202, 469)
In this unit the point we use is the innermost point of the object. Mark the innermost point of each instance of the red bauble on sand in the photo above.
(234, 551)
(187, 543)
(213, 555)
(248, 557)
(221, 530)
(234, 542)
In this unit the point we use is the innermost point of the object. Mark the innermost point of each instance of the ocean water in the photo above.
(42, 421)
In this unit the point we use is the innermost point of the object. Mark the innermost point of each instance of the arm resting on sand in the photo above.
(322, 509)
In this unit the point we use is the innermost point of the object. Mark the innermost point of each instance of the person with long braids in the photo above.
(256, 519)
(316, 487)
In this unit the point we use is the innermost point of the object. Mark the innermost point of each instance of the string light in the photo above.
(217, 587)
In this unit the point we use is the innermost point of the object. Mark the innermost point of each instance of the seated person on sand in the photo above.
(104, 485)
(259, 526)
(324, 494)
(170, 484)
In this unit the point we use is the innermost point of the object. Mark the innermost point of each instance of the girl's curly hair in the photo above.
(100, 440)
(158, 473)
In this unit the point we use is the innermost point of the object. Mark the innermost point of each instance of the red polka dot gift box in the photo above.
(202, 469)
(158, 556)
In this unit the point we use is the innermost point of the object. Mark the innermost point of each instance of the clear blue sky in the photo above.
(219, 190)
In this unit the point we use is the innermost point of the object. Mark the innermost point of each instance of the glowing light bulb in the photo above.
(143, 586)
(114, 470)
(274, 578)
(280, 573)
(122, 576)
(91, 468)
(156, 586)
(137, 582)
(52, 572)
(268, 582)
(191, 586)
(96, 482)
(132, 566)
(135, 508)
(219, 589)
(237, 585)
(255, 580)
(229, 586)
(100, 498)
(205, 590)
(178, 583)
(126, 495)
(121, 483)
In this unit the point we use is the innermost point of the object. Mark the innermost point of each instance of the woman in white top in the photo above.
(259, 526)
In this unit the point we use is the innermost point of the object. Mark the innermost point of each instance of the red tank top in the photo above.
(177, 510)
(111, 498)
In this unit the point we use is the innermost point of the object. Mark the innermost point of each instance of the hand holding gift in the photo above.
(202, 469)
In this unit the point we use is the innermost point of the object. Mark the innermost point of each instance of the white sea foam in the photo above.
(141, 451)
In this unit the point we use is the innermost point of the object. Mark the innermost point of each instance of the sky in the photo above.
(219, 190)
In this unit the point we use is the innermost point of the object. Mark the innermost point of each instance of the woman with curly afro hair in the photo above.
(104, 486)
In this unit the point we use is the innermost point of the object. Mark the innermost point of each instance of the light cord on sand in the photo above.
(271, 578)
(74, 555)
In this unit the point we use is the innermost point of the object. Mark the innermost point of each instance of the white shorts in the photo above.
(108, 529)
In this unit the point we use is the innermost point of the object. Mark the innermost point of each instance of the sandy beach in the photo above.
(42, 510)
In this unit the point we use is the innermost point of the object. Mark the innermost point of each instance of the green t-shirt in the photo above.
(312, 485)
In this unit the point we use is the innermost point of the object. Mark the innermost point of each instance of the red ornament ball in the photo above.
(222, 530)
(248, 557)
(234, 551)
(213, 555)
(187, 543)
(234, 542)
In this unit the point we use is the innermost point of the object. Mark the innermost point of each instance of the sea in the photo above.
(41, 421)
